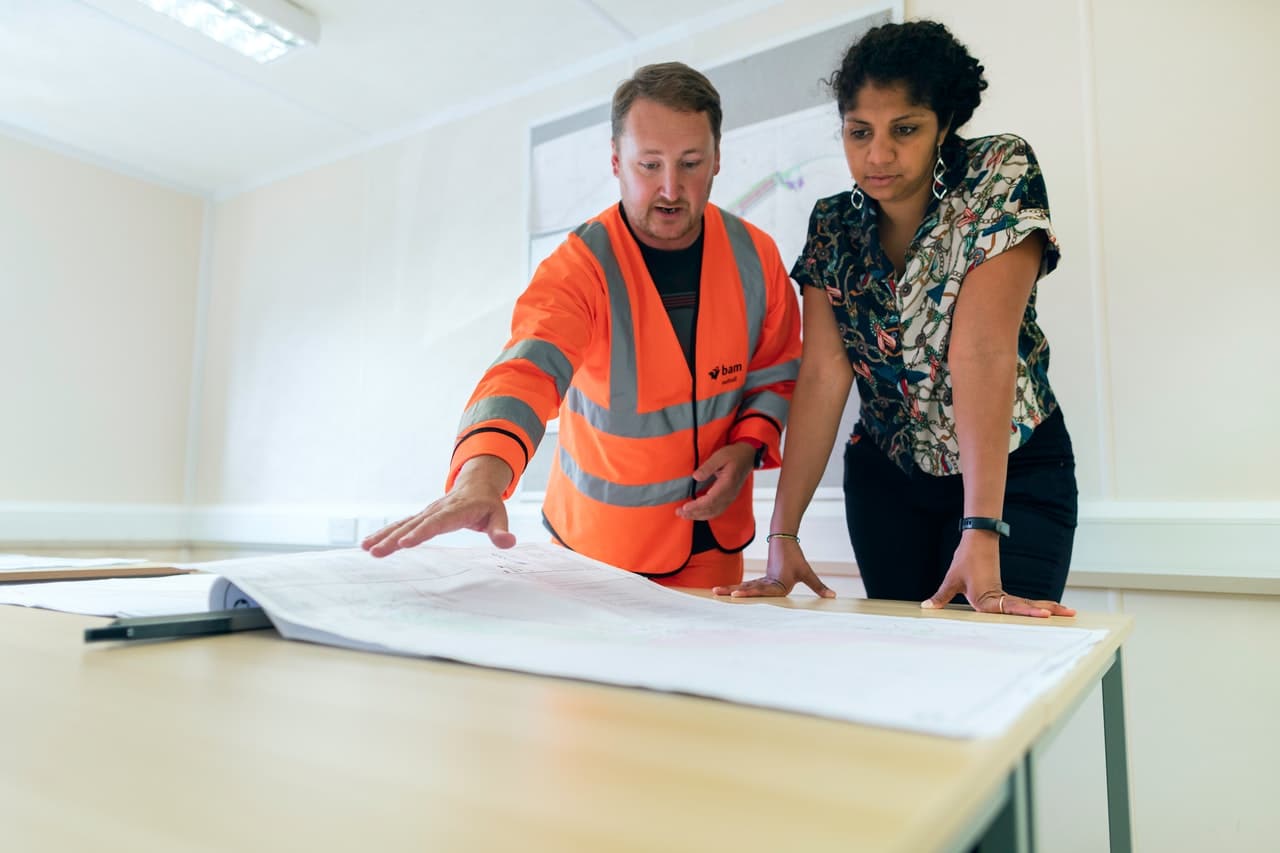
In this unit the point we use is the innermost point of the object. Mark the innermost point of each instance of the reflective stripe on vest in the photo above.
(622, 418)
(751, 271)
(653, 424)
(511, 409)
(616, 494)
(768, 403)
(769, 375)
(543, 355)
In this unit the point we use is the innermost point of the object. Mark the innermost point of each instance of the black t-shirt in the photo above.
(676, 274)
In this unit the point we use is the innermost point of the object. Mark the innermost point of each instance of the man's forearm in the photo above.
(484, 472)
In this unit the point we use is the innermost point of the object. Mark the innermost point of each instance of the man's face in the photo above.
(665, 161)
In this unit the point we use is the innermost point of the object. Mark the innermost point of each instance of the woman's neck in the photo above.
(904, 214)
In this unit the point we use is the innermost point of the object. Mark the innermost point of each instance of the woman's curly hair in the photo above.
(936, 69)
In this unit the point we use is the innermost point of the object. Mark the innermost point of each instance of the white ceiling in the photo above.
(121, 85)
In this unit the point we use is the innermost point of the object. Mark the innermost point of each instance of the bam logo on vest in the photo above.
(725, 370)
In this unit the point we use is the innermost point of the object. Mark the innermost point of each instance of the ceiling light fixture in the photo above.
(260, 29)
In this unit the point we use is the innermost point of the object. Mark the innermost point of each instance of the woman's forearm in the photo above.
(822, 388)
(982, 382)
(982, 359)
(816, 407)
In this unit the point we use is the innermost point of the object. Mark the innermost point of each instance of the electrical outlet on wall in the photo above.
(369, 524)
(342, 531)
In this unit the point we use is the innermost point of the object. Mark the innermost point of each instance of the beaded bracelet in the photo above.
(772, 536)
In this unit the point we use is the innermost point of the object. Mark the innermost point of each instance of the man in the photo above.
(665, 334)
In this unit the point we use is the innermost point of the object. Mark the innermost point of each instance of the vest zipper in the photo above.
(693, 393)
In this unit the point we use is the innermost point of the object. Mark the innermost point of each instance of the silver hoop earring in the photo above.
(939, 172)
(857, 198)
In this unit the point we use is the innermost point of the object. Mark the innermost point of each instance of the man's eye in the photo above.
(691, 164)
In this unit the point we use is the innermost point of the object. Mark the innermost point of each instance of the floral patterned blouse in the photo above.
(896, 331)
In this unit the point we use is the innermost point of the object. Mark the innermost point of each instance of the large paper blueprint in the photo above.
(543, 609)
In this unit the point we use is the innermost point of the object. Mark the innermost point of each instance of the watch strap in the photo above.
(977, 522)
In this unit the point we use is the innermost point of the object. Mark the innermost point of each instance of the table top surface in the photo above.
(249, 742)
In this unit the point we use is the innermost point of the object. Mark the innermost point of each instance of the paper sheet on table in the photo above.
(161, 596)
(24, 562)
(543, 609)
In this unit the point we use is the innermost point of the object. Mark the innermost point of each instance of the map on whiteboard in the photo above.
(771, 173)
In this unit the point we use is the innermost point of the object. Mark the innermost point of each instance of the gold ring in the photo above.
(1002, 596)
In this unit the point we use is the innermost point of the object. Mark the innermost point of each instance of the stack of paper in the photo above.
(16, 568)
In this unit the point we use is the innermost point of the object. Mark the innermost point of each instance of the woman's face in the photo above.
(891, 144)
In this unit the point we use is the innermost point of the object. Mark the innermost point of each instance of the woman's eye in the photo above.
(906, 130)
(859, 133)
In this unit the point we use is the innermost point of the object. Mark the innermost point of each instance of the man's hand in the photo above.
(729, 467)
(474, 503)
(975, 571)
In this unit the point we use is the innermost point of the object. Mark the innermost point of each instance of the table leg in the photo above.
(1012, 830)
(1117, 760)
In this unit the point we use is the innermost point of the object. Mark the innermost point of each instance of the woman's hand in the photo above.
(787, 567)
(975, 571)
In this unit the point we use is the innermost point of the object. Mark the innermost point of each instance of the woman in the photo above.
(920, 283)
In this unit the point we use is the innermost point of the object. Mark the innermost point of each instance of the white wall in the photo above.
(1186, 132)
(98, 276)
(342, 344)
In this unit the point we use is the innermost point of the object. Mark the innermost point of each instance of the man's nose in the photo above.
(669, 184)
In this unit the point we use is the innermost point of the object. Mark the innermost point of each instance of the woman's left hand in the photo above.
(975, 571)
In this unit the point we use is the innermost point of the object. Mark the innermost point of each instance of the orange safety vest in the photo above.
(592, 342)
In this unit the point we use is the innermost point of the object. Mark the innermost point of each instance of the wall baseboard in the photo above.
(39, 523)
(1150, 540)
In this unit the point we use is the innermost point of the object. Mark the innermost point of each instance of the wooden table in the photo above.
(247, 742)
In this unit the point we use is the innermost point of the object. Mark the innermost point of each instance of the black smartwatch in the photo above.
(977, 522)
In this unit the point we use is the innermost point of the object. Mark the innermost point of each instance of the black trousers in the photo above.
(904, 527)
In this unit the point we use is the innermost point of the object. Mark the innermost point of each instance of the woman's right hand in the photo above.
(787, 567)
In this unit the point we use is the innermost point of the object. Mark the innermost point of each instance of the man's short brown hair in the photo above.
(672, 84)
